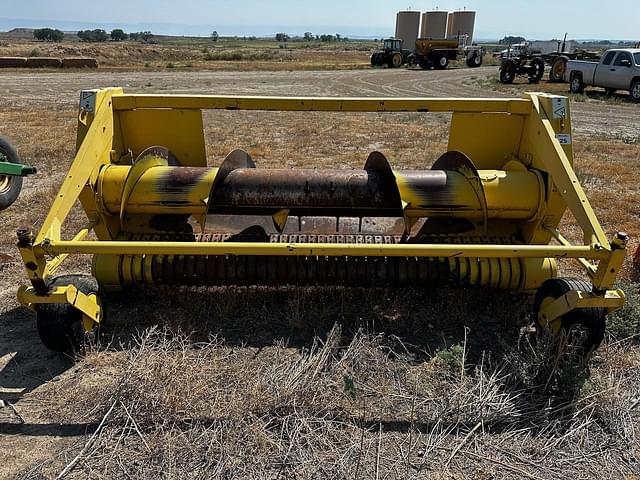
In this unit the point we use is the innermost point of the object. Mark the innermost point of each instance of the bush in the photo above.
(145, 37)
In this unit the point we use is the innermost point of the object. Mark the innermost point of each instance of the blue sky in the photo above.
(534, 19)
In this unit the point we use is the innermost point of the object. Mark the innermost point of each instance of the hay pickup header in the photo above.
(486, 214)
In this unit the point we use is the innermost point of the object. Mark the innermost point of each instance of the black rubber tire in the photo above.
(591, 319)
(634, 91)
(10, 186)
(558, 69)
(536, 71)
(441, 61)
(507, 72)
(424, 64)
(59, 324)
(576, 85)
(395, 60)
(474, 61)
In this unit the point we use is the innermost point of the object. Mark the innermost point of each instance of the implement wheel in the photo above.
(507, 72)
(475, 60)
(591, 320)
(10, 186)
(441, 61)
(63, 328)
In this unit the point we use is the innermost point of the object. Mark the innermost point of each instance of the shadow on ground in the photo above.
(426, 320)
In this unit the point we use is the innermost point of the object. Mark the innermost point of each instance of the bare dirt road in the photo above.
(60, 90)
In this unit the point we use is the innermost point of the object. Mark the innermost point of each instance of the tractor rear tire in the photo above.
(441, 61)
(60, 325)
(536, 70)
(591, 319)
(558, 69)
(508, 72)
(10, 186)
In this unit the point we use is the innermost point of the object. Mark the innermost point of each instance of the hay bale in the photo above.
(12, 62)
(79, 62)
(43, 62)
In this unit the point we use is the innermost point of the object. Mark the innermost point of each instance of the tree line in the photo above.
(93, 36)
(310, 37)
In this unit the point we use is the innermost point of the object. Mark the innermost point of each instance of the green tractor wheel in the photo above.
(10, 185)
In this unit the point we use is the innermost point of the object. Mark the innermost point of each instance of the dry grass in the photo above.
(353, 406)
(204, 55)
(335, 383)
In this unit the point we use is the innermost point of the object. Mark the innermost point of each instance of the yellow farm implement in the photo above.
(486, 214)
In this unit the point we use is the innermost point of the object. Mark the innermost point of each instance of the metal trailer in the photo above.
(438, 53)
(11, 172)
(486, 214)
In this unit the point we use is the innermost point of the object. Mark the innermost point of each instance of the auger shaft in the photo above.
(353, 193)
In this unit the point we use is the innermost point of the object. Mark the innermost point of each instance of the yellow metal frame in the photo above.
(533, 126)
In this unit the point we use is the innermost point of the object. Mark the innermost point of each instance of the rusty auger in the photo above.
(485, 214)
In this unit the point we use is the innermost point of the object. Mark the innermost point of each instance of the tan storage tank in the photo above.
(434, 25)
(463, 24)
(408, 28)
(450, 25)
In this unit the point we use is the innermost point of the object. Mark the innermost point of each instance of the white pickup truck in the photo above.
(618, 69)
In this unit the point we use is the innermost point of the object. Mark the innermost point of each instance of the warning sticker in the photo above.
(88, 100)
(559, 107)
(564, 138)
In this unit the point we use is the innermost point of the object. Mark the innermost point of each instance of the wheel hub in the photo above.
(4, 183)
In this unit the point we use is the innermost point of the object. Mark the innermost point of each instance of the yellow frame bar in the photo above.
(320, 249)
(322, 104)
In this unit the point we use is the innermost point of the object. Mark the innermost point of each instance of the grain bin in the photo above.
(407, 28)
(463, 23)
(434, 25)
(450, 25)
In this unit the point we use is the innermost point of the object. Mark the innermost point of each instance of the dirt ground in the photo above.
(46, 427)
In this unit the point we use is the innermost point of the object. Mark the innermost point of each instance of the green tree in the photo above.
(282, 37)
(510, 40)
(214, 36)
(308, 36)
(48, 35)
(93, 36)
(118, 35)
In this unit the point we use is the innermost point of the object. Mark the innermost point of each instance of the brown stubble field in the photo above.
(314, 383)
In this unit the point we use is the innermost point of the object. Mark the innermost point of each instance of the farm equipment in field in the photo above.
(392, 54)
(11, 172)
(485, 214)
(438, 53)
(525, 63)
(558, 60)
